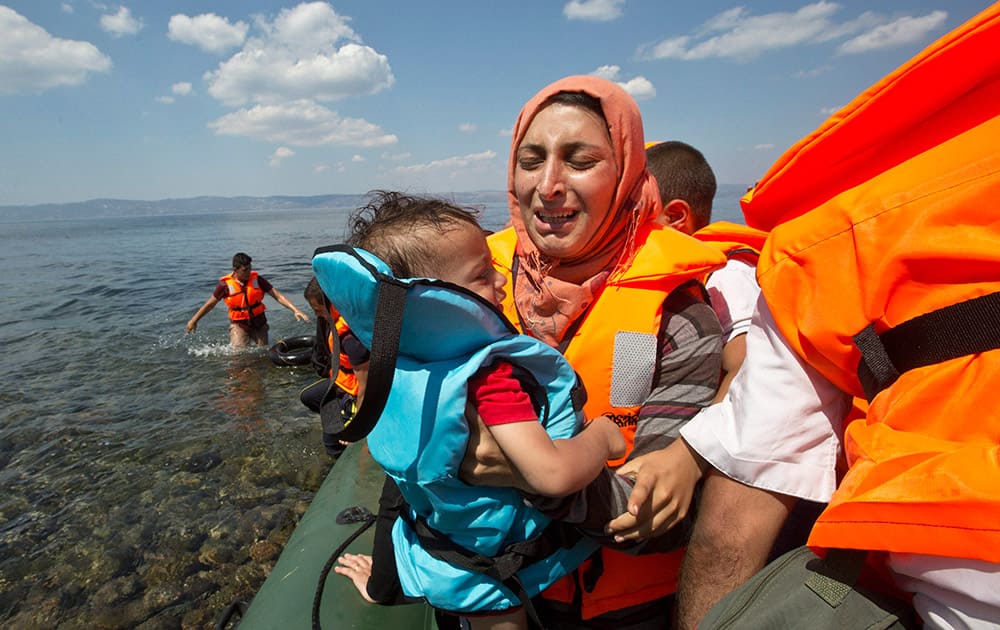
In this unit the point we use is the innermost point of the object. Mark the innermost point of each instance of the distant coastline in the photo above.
(726, 205)
(117, 208)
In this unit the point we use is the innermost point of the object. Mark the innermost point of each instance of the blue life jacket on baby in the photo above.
(447, 334)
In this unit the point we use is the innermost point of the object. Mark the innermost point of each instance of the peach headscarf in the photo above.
(547, 305)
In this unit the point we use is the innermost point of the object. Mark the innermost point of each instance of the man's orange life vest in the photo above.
(737, 242)
(886, 213)
(630, 306)
(244, 300)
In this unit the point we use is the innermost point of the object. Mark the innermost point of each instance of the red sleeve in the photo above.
(221, 291)
(499, 397)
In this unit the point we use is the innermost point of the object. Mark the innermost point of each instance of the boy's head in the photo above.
(687, 184)
(316, 299)
(429, 238)
(241, 267)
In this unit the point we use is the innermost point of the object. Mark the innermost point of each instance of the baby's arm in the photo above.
(556, 468)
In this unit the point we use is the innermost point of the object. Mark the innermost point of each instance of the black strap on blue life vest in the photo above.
(504, 566)
(388, 325)
(969, 327)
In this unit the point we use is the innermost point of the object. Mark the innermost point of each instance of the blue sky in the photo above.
(156, 99)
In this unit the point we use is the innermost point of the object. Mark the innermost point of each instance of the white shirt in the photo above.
(733, 292)
(779, 427)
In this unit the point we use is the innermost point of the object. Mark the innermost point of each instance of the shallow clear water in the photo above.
(149, 476)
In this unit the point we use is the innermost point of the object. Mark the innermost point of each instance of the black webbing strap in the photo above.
(969, 327)
(502, 567)
(381, 366)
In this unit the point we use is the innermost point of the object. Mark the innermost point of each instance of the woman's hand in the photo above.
(661, 497)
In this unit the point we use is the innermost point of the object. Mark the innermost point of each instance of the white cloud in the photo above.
(207, 31)
(736, 34)
(905, 30)
(828, 111)
(121, 23)
(467, 127)
(357, 158)
(280, 154)
(166, 100)
(763, 147)
(298, 57)
(812, 72)
(182, 88)
(610, 72)
(457, 162)
(507, 133)
(31, 60)
(640, 88)
(302, 123)
(320, 168)
(66, 7)
(593, 10)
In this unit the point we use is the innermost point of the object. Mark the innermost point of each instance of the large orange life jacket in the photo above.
(630, 305)
(886, 213)
(244, 300)
(737, 242)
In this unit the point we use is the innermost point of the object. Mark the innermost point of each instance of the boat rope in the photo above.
(355, 514)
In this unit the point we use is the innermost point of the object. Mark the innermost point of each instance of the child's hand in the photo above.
(616, 441)
(661, 497)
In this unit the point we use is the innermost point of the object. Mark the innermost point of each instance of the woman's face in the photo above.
(565, 179)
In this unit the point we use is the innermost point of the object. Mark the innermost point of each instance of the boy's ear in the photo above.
(677, 214)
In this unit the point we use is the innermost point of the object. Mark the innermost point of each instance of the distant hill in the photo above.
(106, 208)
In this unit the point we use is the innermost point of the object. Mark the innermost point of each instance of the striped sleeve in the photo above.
(689, 370)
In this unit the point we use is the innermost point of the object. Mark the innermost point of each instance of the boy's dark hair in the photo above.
(241, 260)
(682, 172)
(313, 293)
(386, 226)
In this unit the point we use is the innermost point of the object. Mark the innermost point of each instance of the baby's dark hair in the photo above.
(394, 226)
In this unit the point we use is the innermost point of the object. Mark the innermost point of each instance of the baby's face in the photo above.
(470, 264)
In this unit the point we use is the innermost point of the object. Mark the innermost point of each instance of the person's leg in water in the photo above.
(258, 333)
(239, 337)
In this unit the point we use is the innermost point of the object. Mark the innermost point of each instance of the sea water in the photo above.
(150, 476)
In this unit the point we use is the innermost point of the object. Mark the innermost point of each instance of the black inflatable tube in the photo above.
(292, 350)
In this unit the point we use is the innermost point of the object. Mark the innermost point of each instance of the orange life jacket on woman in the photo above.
(244, 300)
(886, 213)
(629, 307)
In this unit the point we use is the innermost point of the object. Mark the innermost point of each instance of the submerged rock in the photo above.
(201, 462)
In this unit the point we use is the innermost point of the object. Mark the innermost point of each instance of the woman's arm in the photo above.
(665, 469)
